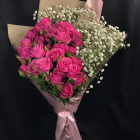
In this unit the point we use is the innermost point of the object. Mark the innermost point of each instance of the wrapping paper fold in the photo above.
(66, 126)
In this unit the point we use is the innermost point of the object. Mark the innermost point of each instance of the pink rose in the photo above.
(80, 79)
(31, 34)
(77, 42)
(47, 37)
(43, 64)
(60, 86)
(56, 77)
(43, 24)
(59, 33)
(47, 47)
(75, 34)
(32, 69)
(23, 68)
(77, 61)
(60, 57)
(63, 65)
(67, 90)
(61, 46)
(54, 54)
(40, 39)
(39, 65)
(72, 50)
(73, 72)
(26, 42)
(38, 51)
(24, 52)
(23, 61)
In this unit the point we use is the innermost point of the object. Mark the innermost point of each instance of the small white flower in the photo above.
(91, 86)
(90, 75)
(101, 58)
(101, 78)
(85, 69)
(106, 64)
(128, 45)
(91, 56)
(77, 52)
(34, 18)
(98, 82)
(102, 70)
(35, 12)
(77, 48)
(87, 91)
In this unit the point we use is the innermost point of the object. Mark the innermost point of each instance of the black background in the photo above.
(111, 111)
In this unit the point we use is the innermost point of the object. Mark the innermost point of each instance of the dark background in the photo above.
(111, 111)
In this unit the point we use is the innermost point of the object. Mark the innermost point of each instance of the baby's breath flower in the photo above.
(102, 70)
(91, 86)
(87, 91)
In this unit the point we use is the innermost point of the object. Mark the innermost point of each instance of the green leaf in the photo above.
(41, 32)
(34, 44)
(63, 100)
(38, 81)
(68, 54)
(21, 73)
(48, 73)
(43, 86)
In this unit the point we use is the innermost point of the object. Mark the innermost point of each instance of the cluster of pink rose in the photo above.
(46, 45)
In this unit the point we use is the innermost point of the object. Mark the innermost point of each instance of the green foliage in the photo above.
(34, 43)
(63, 100)
(68, 54)
(21, 73)
(38, 80)
(43, 86)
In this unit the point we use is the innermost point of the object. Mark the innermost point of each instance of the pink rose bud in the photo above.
(40, 39)
(23, 68)
(60, 57)
(72, 50)
(75, 86)
(60, 86)
(47, 37)
(67, 91)
(86, 79)
(47, 78)
(23, 61)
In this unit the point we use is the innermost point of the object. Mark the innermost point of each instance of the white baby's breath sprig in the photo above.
(100, 41)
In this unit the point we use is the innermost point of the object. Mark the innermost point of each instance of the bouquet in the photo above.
(63, 53)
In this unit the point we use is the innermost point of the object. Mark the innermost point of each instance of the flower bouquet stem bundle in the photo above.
(63, 53)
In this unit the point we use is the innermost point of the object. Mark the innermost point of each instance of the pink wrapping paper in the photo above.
(66, 128)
